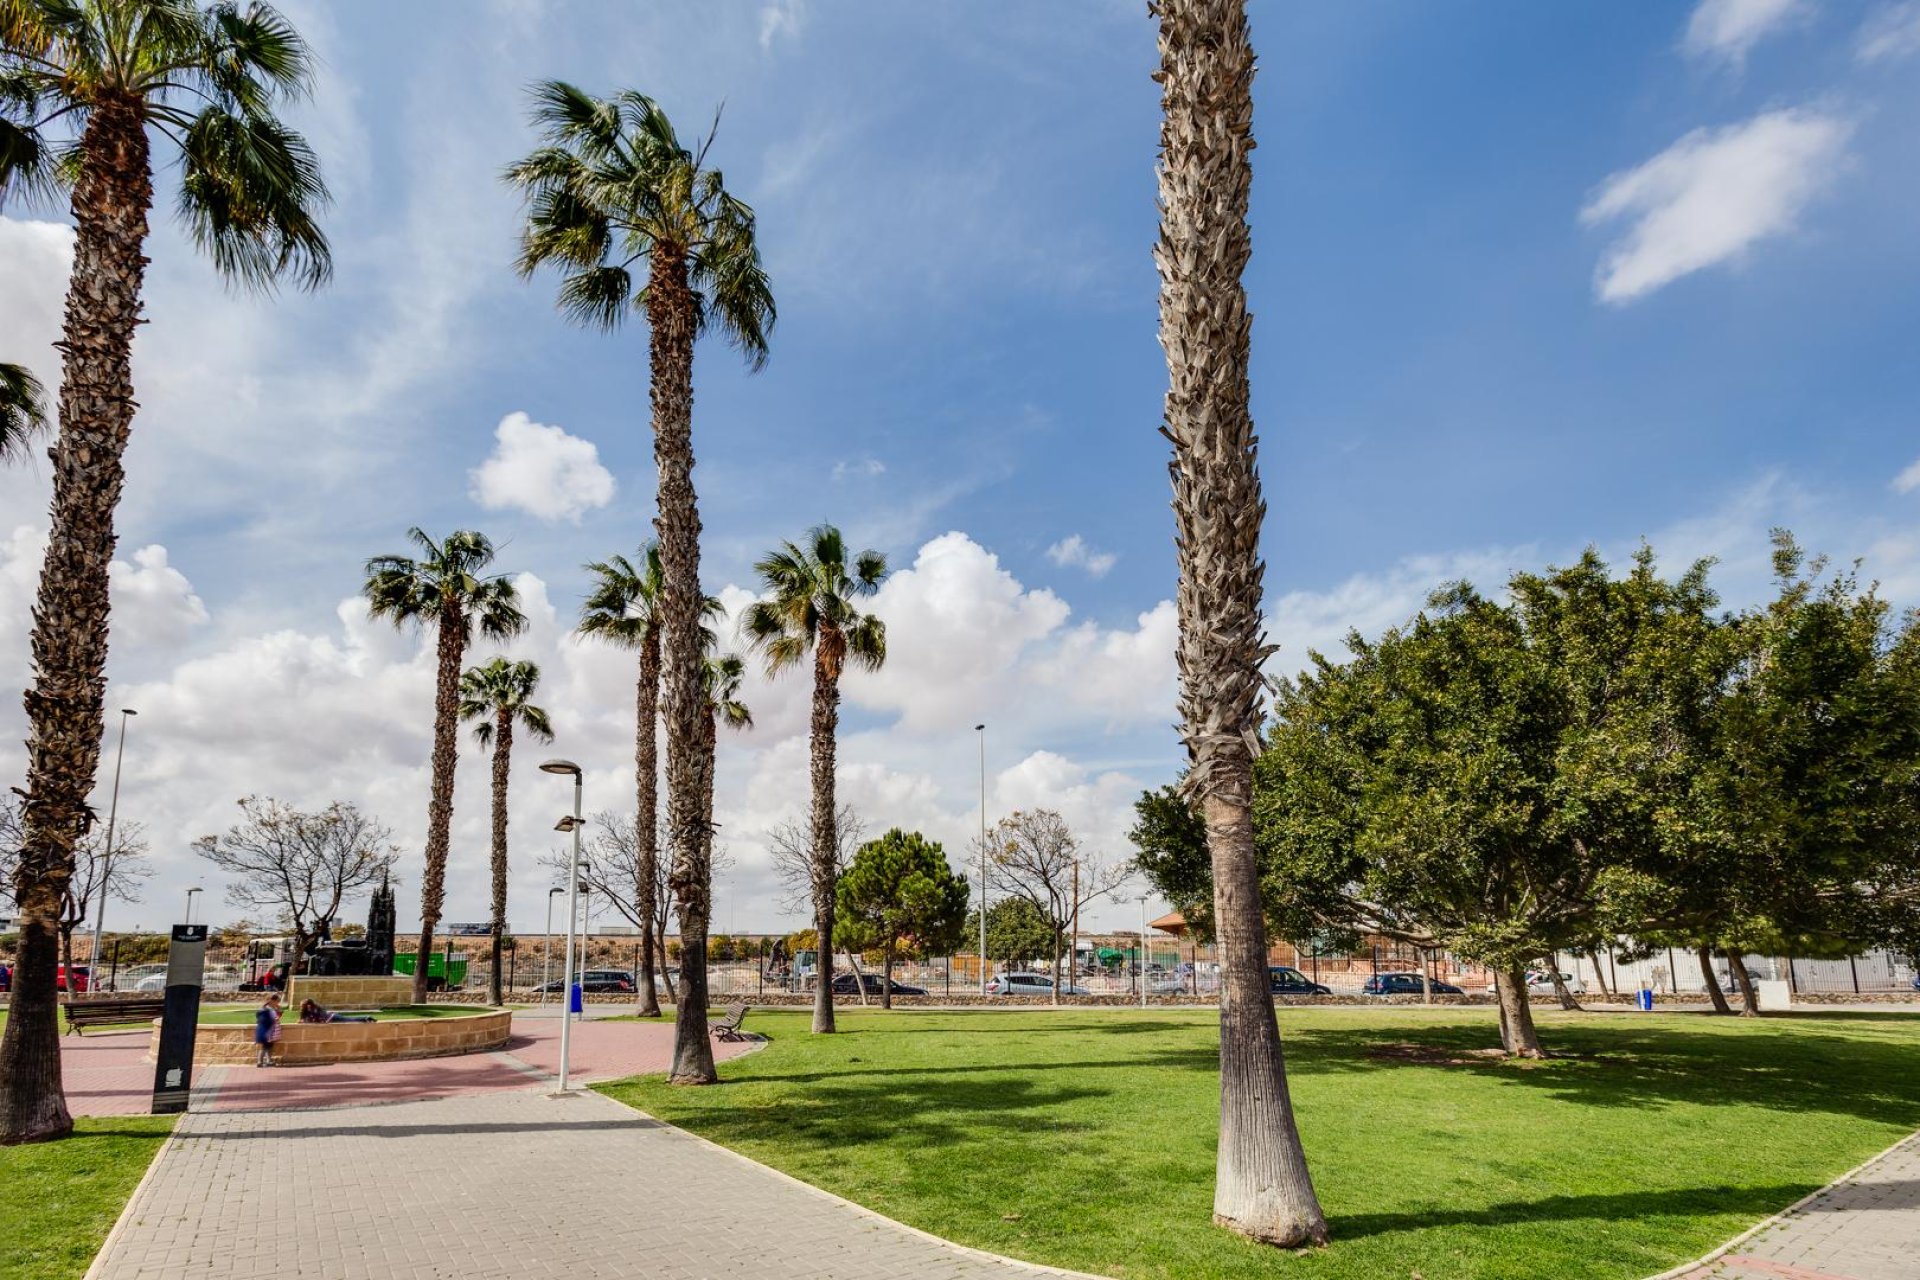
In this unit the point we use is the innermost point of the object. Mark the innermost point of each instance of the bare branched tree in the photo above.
(121, 871)
(1033, 854)
(300, 867)
(791, 844)
(12, 832)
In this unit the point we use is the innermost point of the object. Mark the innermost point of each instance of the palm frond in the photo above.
(23, 412)
(249, 191)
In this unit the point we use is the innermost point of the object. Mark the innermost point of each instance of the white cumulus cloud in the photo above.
(1072, 552)
(1711, 196)
(1909, 480)
(1725, 30)
(542, 471)
(1890, 33)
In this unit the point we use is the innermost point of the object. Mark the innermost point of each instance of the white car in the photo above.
(1540, 983)
(1028, 984)
(152, 984)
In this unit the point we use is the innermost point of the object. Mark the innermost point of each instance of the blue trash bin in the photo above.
(573, 999)
(1645, 1000)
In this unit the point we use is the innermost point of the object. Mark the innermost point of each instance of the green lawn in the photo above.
(245, 1013)
(62, 1197)
(1085, 1138)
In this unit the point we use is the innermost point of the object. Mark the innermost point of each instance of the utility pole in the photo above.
(106, 856)
(981, 729)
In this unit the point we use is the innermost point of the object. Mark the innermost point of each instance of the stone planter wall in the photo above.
(350, 993)
(314, 1043)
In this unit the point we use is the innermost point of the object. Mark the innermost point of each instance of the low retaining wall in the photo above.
(351, 993)
(316, 1043)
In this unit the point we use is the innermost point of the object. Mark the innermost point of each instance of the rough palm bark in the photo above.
(673, 319)
(64, 703)
(823, 742)
(502, 754)
(646, 834)
(1517, 1033)
(1714, 994)
(451, 648)
(1262, 1187)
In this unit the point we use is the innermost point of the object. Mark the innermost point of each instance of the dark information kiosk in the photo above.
(173, 1065)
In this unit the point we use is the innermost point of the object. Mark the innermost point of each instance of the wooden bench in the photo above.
(728, 1028)
(99, 1013)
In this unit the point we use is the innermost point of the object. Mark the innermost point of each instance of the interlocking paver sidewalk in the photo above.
(493, 1186)
(1864, 1227)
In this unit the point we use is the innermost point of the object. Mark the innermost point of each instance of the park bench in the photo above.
(99, 1013)
(728, 1028)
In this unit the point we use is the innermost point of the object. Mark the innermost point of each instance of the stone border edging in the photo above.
(126, 1210)
(1032, 1268)
(1707, 1259)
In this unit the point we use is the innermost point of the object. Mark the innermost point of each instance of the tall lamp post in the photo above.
(190, 893)
(571, 824)
(546, 945)
(981, 729)
(106, 863)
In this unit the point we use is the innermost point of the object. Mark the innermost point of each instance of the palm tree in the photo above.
(1261, 1185)
(23, 412)
(86, 90)
(812, 593)
(720, 678)
(612, 187)
(445, 586)
(498, 696)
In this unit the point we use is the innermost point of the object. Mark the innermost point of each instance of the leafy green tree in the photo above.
(812, 606)
(610, 187)
(23, 411)
(899, 891)
(1018, 934)
(86, 90)
(449, 587)
(497, 697)
(1170, 850)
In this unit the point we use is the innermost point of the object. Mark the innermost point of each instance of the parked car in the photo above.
(1540, 983)
(1165, 984)
(1404, 984)
(82, 978)
(843, 985)
(594, 982)
(1028, 984)
(1292, 982)
(152, 984)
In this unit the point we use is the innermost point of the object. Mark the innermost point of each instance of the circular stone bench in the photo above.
(314, 1043)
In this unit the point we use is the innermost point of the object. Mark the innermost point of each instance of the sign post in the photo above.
(173, 1065)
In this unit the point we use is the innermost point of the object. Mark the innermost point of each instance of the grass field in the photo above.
(1085, 1138)
(62, 1197)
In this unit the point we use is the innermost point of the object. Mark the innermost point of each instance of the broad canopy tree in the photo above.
(899, 892)
(1018, 935)
(93, 98)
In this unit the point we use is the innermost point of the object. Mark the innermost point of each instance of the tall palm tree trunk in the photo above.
(1262, 1188)
(672, 317)
(646, 770)
(825, 730)
(65, 720)
(502, 767)
(446, 726)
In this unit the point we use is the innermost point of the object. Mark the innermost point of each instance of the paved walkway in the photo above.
(1863, 1227)
(494, 1186)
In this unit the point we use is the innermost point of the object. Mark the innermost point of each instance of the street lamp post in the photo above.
(546, 945)
(572, 825)
(981, 729)
(190, 893)
(106, 857)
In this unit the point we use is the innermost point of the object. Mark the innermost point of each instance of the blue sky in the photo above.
(1526, 277)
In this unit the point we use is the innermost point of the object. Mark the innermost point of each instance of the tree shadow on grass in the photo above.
(1627, 1206)
(1650, 1066)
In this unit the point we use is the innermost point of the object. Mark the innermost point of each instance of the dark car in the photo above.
(843, 985)
(595, 982)
(1404, 984)
(1292, 982)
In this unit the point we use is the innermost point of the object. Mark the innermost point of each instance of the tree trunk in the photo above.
(446, 756)
(1426, 981)
(1717, 996)
(1517, 1034)
(1600, 974)
(1560, 989)
(1056, 966)
(1262, 1187)
(65, 720)
(673, 318)
(1749, 998)
(646, 769)
(886, 974)
(502, 765)
(824, 730)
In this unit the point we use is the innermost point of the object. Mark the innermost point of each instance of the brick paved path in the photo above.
(493, 1186)
(1864, 1227)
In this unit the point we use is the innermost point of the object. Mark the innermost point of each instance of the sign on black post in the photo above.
(173, 1065)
